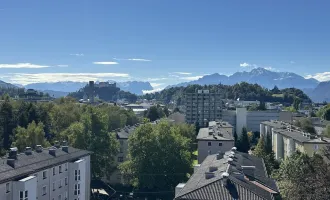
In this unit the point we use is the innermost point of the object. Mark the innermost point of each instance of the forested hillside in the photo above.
(243, 91)
(106, 94)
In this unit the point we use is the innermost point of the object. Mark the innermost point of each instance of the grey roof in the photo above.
(215, 131)
(125, 132)
(28, 164)
(223, 124)
(237, 186)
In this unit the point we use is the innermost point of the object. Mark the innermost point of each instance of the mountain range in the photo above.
(318, 91)
(260, 76)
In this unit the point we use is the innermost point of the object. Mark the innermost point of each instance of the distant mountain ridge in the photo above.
(135, 87)
(320, 93)
(261, 76)
(7, 85)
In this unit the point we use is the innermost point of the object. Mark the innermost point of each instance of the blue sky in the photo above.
(152, 40)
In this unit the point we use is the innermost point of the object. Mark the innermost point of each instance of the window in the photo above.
(77, 175)
(66, 166)
(220, 144)
(7, 187)
(66, 195)
(44, 174)
(66, 181)
(209, 144)
(120, 159)
(60, 169)
(59, 197)
(60, 184)
(23, 195)
(77, 189)
(53, 186)
(54, 172)
(44, 190)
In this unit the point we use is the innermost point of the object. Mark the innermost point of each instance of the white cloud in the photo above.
(270, 68)
(154, 85)
(23, 65)
(156, 79)
(191, 78)
(105, 63)
(77, 54)
(152, 91)
(62, 65)
(134, 59)
(292, 62)
(182, 73)
(325, 76)
(27, 78)
(245, 65)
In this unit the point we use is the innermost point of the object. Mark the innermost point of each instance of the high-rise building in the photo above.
(56, 173)
(203, 106)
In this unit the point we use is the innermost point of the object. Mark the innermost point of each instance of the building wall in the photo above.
(230, 117)
(203, 148)
(116, 177)
(254, 118)
(241, 121)
(203, 106)
(35, 185)
(311, 148)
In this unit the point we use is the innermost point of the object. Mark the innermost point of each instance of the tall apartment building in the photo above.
(56, 173)
(202, 107)
(286, 139)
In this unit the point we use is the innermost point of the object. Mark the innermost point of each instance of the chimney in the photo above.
(220, 155)
(64, 143)
(213, 169)
(230, 161)
(11, 162)
(209, 175)
(52, 151)
(57, 144)
(13, 153)
(249, 171)
(234, 149)
(65, 149)
(224, 179)
(39, 148)
(28, 151)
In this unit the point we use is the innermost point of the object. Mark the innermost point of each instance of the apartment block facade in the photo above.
(286, 139)
(203, 106)
(56, 173)
(217, 137)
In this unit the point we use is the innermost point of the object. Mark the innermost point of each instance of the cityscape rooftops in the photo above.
(217, 130)
(18, 165)
(232, 175)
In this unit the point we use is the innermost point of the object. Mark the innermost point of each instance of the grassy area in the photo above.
(277, 95)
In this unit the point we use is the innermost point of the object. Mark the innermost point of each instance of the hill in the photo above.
(243, 91)
(135, 87)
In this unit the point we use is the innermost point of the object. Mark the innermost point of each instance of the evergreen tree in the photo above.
(236, 140)
(244, 143)
(6, 123)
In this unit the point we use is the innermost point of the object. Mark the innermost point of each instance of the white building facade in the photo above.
(48, 174)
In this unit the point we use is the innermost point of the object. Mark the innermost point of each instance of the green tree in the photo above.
(31, 136)
(154, 113)
(159, 157)
(92, 134)
(306, 125)
(7, 123)
(243, 142)
(296, 103)
(303, 177)
(326, 131)
(267, 155)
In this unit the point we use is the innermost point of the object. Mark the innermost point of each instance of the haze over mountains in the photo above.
(318, 91)
(260, 76)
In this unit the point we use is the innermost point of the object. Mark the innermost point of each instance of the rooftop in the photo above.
(226, 177)
(126, 131)
(216, 131)
(29, 163)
